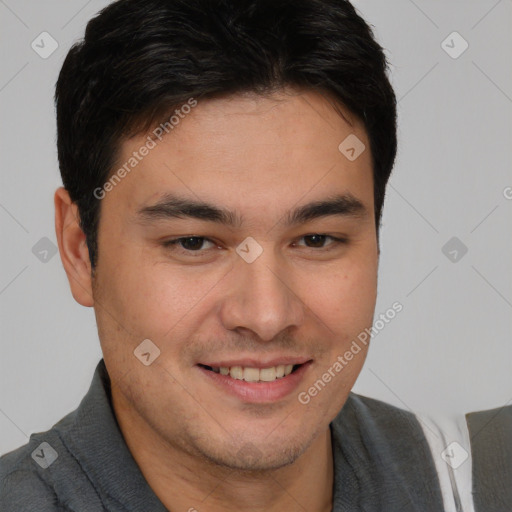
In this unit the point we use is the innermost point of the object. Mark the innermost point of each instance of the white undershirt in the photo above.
(456, 483)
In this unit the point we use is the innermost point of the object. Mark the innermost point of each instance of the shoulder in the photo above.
(384, 431)
(34, 476)
(25, 483)
(490, 434)
(385, 448)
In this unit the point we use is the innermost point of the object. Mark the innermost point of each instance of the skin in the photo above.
(197, 446)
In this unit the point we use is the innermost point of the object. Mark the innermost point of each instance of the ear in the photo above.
(73, 248)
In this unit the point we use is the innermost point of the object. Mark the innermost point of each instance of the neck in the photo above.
(186, 482)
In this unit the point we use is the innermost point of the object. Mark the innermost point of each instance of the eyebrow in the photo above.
(172, 206)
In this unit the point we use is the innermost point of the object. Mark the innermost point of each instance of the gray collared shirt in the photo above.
(382, 462)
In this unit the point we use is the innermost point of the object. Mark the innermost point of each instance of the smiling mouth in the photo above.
(250, 374)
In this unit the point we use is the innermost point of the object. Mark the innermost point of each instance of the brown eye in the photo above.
(192, 243)
(188, 243)
(317, 241)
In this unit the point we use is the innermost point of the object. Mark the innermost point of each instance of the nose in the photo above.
(261, 298)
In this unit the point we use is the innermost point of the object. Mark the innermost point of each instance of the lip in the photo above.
(257, 392)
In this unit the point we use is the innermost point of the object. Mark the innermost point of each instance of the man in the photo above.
(224, 166)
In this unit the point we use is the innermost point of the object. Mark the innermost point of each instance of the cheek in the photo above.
(156, 297)
(345, 303)
(345, 299)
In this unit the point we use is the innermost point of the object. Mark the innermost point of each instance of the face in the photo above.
(264, 280)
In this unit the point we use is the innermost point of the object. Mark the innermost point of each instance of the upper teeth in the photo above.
(255, 374)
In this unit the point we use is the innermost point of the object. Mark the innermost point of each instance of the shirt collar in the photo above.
(95, 439)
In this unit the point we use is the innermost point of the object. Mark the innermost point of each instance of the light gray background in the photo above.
(449, 351)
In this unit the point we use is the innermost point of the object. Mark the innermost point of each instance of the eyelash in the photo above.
(172, 244)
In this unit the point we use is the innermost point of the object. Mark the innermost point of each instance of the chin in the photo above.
(256, 456)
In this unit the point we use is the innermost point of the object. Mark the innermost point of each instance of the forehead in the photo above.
(249, 150)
